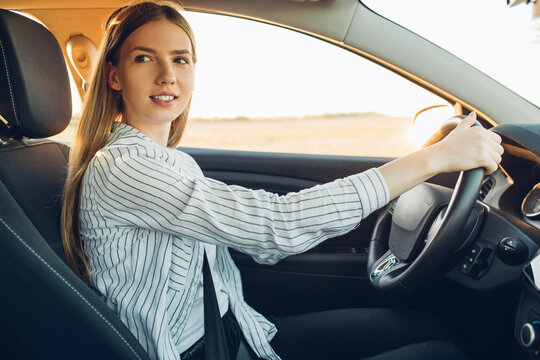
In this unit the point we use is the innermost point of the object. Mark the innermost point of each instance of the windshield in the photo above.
(501, 41)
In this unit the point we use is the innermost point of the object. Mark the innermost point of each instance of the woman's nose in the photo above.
(166, 75)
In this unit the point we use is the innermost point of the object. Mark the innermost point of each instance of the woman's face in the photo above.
(155, 73)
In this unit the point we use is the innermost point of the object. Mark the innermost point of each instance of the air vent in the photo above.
(487, 184)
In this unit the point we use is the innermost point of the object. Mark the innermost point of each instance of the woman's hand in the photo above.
(466, 147)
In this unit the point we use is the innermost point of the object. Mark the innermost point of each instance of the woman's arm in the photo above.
(135, 187)
(464, 148)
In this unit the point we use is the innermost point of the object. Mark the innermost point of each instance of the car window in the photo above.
(260, 87)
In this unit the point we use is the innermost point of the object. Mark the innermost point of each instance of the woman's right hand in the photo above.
(464, 148)
(467, 147)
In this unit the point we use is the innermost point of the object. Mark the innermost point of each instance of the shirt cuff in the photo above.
(372, 190)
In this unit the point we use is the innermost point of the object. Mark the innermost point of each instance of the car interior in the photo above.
(481, 282)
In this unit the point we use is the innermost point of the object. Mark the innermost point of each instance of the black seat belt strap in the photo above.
(215, 347)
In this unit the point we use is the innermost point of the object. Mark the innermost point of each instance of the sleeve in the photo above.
(146, 192)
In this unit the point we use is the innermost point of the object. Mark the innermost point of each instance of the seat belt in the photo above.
(215, 347)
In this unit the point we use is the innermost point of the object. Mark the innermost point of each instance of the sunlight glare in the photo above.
(427, 123)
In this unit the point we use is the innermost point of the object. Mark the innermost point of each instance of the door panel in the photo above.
(332, 275)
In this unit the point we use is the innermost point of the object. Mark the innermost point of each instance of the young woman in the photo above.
(139, 216)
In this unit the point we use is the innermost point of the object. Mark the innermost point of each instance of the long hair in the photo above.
(102, 107)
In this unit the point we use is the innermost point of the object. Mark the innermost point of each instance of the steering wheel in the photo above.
(426, 226)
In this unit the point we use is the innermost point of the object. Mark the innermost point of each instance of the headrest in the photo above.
(35, 96)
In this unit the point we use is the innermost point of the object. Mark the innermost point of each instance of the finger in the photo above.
(498, 149)
(490, 161)
(494, 141)
(468, 121)
(491, 167)
(495, 156)
(495, 137)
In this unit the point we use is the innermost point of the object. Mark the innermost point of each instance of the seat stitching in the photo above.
(9, 83)
(70, 286)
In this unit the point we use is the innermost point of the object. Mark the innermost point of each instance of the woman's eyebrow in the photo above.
(152, 51)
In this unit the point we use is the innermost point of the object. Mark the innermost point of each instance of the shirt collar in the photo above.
(122, 130)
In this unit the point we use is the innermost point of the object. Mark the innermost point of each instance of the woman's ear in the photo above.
(112, 77)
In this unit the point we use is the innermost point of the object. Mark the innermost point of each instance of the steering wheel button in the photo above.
(465, 267)
(475, 251)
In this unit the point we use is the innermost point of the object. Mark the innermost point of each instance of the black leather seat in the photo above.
(46, 311)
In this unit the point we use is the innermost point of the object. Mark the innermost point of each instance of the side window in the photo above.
(264, 88)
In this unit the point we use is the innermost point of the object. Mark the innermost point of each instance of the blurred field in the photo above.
(336, 134)
(357, 134)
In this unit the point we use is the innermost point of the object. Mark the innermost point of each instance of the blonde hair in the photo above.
(101, 108)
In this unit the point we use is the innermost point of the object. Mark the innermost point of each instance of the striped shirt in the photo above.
(146, 210)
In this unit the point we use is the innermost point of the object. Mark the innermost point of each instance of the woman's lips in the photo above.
(164, 100)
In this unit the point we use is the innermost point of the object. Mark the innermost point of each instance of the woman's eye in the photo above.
(142, 58)
(181, 60)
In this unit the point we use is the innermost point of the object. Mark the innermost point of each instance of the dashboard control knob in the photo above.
(530, 334)
(512, 251)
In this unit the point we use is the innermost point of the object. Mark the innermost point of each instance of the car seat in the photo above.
(47, 312)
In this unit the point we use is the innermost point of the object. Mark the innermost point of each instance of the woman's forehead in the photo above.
(163, 35)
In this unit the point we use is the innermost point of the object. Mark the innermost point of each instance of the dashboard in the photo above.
(521, 164)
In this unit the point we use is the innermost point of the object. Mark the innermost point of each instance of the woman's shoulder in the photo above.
(126, 142)
(127, 146)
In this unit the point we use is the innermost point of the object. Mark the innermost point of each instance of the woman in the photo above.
(139, 217)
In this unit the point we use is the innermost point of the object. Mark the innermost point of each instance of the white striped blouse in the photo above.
(146, 209)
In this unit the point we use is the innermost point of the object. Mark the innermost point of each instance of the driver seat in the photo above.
(47, 311)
